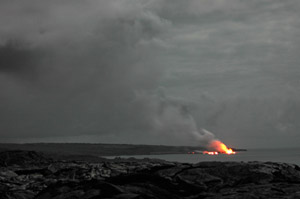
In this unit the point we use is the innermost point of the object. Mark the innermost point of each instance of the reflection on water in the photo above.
(273, 155)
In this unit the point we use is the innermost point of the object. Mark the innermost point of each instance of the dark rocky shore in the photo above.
(28, 174)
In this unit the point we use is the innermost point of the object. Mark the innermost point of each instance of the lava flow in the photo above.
(211, 152)
(217, 147)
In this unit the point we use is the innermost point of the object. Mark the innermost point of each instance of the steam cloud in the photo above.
(171, 119)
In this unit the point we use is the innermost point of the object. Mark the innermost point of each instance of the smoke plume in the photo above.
(171, 119)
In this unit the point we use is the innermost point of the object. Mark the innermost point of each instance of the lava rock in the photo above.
(28, 175)
(22, 158)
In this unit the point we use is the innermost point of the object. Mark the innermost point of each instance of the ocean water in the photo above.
(291, 155)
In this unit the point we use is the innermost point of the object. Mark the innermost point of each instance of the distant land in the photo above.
(83, 149)
(97, 150)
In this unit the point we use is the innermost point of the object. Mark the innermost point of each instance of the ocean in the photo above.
(287, 155)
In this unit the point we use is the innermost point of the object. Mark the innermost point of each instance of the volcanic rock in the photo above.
(29, 175)
(22, 158)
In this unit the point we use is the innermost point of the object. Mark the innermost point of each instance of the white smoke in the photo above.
(170, 119)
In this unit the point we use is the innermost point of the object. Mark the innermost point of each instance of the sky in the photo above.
(150, 71)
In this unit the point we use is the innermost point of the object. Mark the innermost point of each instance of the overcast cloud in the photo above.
(150, 72)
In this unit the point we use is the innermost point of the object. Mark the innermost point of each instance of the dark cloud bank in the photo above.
(152, 72)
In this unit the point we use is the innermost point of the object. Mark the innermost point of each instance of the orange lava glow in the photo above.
(211, 152)
(218, 147)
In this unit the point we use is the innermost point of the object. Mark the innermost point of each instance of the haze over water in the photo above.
(287, 155)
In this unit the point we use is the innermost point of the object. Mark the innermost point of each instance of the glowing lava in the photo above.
(217, 147)
(211, 152)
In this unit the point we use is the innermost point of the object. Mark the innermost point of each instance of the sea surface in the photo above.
(290, 155)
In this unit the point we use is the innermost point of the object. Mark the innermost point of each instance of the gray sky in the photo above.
(150, 71)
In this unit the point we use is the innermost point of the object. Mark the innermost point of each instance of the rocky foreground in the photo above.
(28, 174)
